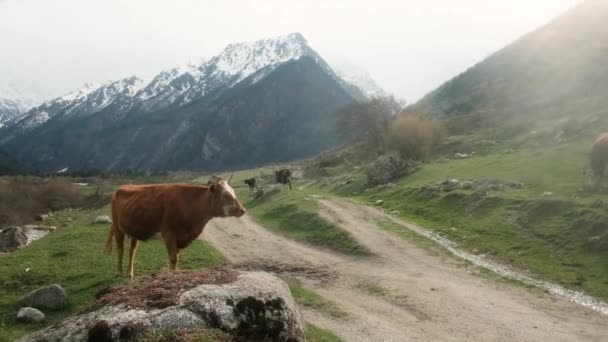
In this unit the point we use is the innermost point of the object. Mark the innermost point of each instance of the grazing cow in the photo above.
(283, 176)
(250, 182)
(599, 157)
(176, 212)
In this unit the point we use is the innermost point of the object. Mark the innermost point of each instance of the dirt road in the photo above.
(404, 292)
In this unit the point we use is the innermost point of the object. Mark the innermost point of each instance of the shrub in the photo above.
(416, 137)
(22, 198)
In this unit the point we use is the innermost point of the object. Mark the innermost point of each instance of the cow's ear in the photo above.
(212, 187)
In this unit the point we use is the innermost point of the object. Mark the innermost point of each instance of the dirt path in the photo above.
(404, 292)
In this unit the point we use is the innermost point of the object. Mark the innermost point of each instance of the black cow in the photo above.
(283, 176)
(250, 182)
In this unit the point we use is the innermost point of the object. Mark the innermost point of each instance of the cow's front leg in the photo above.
(172, 251)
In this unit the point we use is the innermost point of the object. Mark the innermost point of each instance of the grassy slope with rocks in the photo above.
(561, 236)
(72, 257)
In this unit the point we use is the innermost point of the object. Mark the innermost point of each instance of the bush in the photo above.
(22, 198)
(416, 137)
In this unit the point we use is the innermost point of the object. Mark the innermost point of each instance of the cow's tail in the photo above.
(108, 246)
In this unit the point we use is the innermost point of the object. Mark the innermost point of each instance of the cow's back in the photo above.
(138, 210)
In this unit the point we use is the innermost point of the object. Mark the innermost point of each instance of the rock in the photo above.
(102, 219)
(387, 168)
(267, 191)
(515, 185)
(460, 155)
(13, 238)
(598, 203)
(51, 297)
(41, 217)
(256, 307)
(39, 227)
(395, 212)
(467, 185)
(30, 315)
(379, 202)
(547, 194)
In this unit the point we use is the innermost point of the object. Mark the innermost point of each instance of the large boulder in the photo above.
(387, 168)
(30, 315)
(51, 297)
(253, 306)
(13, 238)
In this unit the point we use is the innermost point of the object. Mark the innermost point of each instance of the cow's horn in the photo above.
(230, 178)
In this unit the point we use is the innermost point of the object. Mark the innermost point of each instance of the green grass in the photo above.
(560, 237)
(72, 257)
(308, 299)
(316, 334)
(295, 215)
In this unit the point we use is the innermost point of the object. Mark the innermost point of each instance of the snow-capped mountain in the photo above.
(359, 78)
(16, 99)
(192, 113)
(189, 82)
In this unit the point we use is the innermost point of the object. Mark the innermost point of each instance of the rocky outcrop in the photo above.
(12, 239)
(52, 297)
(256, 306)
(387, 168)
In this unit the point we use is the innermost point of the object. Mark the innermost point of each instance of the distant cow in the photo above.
(178, 212)
(283, 176)
(599, 157)
(250, 182)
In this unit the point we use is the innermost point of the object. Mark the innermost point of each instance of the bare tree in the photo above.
(368, 121)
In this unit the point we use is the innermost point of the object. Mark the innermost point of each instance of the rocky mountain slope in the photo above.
(554, 73)
(254, 103)
(16, 98)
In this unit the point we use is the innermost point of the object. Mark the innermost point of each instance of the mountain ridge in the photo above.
(171, 104)
(553, 73)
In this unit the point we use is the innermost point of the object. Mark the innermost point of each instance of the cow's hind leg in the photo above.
(132, 252)
(173, 251)
(119, 236)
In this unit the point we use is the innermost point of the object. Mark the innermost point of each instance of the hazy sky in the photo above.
(408, 46)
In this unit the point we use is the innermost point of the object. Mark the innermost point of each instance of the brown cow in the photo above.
(599, 157)
(178, 212)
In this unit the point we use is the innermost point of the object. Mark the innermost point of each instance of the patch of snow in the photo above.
(79, 93)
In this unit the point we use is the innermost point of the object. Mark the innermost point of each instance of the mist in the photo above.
(408, 47)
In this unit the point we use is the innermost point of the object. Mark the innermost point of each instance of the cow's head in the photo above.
(228, 204)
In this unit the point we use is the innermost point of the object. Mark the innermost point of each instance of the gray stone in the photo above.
(387, 168)
(51, 297)
(40, 227)
(466, 185)
(379, 202)
(30, 315)
(257, 307)
(13, 238)
(103, 219)
(460, 155)
(598, 203)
